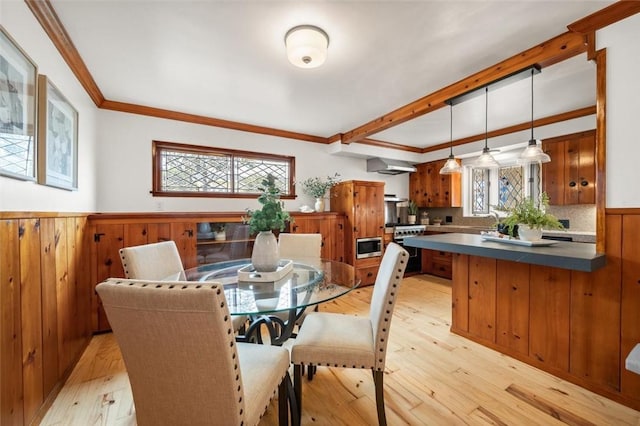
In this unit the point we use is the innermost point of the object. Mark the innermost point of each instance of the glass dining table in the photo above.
(277, 305)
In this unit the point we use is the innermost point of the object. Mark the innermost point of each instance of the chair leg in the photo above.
(311, 371)
(283, 417)
(297, 388)
(378, 378)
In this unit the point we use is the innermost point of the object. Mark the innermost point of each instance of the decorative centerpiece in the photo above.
(317, 188)
(412, 209)
(531, 218)
(220, 232)
(271, 216)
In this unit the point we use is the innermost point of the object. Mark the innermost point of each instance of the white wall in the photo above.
(17, 195)
(623, 111)
(124, 163)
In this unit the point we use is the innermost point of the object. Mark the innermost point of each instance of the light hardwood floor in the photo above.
(432, 377)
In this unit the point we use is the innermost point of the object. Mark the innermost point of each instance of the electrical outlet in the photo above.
(159, 206)
(564, 222)
(448, 219)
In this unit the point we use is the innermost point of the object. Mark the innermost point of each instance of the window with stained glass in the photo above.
(480, 191)
(510, 186)
(199, 171)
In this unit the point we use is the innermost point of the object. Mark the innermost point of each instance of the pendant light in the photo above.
(533, 153)
(451, 166)
(486, 160)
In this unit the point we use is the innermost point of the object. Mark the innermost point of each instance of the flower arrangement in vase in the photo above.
(530, 217)
(271, 216)
(317, 188)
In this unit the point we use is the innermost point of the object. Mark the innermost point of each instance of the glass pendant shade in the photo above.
(451, 166)
(533, 153)
(486, 160)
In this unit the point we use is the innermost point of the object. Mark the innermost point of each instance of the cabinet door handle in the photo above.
(369, 274)
(584, 183)
(572, 184)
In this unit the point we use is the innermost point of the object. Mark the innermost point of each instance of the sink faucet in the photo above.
(495, 214)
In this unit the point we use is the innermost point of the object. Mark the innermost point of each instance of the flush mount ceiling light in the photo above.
(451, 166)
(306, 46)
(486, 160)
(533, 153)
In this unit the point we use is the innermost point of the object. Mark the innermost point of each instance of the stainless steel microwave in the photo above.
(368, 247)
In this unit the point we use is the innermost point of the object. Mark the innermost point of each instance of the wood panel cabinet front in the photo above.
(570, 176)
(329, 225)
(428, 188)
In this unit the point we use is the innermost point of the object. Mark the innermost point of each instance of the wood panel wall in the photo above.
(45, 301)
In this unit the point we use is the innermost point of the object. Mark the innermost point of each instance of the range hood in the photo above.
(386, 166)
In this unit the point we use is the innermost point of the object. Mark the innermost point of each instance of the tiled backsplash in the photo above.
(582, 218)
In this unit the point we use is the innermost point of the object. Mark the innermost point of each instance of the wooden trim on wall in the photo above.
(48, 18)
(557, 49)
(207, 121)
(569, 115)
(623, 210)
(604, 17)
(601, 148)
(392, 145)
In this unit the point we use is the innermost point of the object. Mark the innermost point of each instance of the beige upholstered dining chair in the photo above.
(299, 246)
(160, 261)
(350, 341)
(182, 359)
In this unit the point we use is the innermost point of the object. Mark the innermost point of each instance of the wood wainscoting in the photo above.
(576, 325)
(45, 301)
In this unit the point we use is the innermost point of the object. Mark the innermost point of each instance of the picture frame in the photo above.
(18, 125)
(57, 138)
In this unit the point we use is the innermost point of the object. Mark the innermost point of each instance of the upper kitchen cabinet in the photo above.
(428, 188)
(570, 176)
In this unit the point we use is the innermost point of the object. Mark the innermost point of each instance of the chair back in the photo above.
(384, 297)
(179, 349)
(157, 261)
(300, 246)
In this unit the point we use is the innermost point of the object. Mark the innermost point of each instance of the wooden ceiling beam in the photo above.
(605, 17)
(544, 121)
(48, 18)
(551, 51)
(207, 121)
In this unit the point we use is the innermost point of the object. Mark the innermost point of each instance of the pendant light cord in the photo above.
(451, 128)
(486, 116)
(532, 103)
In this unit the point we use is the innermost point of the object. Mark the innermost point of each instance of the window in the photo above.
(503, 187)
(199, 171)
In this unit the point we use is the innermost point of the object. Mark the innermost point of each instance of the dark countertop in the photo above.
(577, 236)
(573, 256)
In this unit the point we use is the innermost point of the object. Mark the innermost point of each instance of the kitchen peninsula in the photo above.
(556, 308)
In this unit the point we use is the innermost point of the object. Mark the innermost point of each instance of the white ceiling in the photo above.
(226, 59)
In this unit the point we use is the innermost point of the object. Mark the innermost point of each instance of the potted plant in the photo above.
(412, 209)
(317, 188)
(263, 221)
(220, 233)
(530, 217)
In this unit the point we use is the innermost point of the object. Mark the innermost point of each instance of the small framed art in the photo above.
(57, 138)
(17, 110)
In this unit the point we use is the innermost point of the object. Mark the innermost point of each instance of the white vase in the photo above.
(529, 234)
(411, 219)
(319, 205)
(220, 236)
(265, 256)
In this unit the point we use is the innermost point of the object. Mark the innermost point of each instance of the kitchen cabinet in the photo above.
(328, 224)
(436, 262)
(362, 203)
(428, 188)
(570, 176)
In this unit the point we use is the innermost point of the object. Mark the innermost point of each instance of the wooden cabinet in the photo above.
(570, 176)
(436, 262)
(362, 203)
(330, 225)
(110, 233)
(428, 188)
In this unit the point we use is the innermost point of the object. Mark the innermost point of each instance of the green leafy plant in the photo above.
(531, 213)
(412, 208)
(317, 187)
(271, 215)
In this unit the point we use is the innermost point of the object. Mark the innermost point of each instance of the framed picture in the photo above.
(17, 110)
(57, 138)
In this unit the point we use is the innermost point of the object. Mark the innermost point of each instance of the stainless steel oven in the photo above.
(368, 247)
(414, 264)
